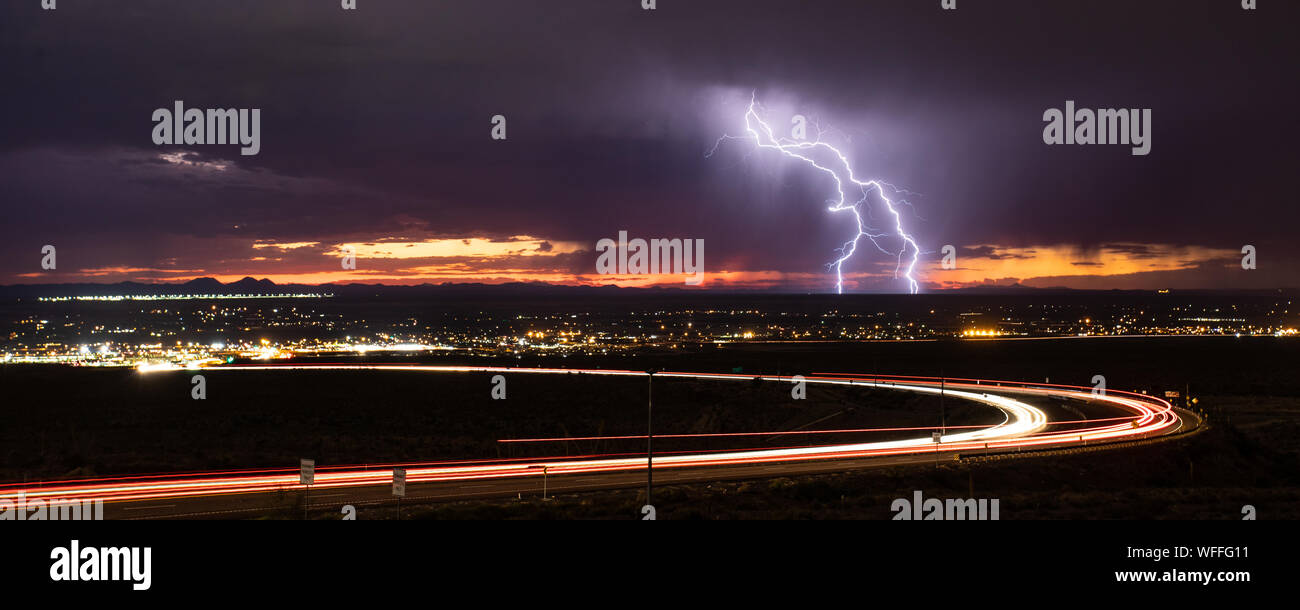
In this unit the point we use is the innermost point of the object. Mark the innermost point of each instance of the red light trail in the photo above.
(1024, 427)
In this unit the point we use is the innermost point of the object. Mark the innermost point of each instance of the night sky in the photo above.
(375, 133)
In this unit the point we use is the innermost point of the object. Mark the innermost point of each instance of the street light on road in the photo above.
(649, 434)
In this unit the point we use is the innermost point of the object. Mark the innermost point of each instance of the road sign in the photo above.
(307, 472)
(936, 436)
(1172, 394)
(399, 482)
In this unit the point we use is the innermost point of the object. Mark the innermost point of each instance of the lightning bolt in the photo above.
(761, 134)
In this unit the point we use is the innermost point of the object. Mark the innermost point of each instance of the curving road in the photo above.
(247, 492)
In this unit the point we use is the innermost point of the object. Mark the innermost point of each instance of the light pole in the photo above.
(943, 413)
(649, 434)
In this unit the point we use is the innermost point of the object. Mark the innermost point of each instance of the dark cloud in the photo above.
(994, 253)
(1138, 251)
(375, 124)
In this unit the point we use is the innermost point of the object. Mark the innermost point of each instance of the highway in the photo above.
(249, 493)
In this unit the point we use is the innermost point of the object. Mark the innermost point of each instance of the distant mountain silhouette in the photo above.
(249, 285)
(203, 285)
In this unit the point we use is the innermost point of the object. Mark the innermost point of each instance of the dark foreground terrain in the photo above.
(1212, 475)
(67, 422)
(76, 422)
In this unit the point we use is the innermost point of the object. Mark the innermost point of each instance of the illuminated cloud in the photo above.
(193, 160)
(286, 246)
(1066, 265)
(472, 247)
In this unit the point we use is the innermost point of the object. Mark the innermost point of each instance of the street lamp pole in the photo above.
(649, 434)
(943, 412)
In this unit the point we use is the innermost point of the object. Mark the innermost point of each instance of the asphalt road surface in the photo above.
(271, 492)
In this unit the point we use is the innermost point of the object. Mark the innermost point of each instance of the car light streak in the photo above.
(1023, 426)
